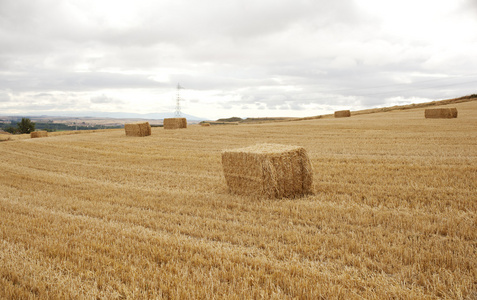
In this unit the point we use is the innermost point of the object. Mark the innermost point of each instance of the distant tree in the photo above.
(232, 119)
(11, 129)
(26, 126)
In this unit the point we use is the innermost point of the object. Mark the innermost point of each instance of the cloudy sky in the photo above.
(246, 58)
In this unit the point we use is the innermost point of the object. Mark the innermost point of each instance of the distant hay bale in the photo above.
(175, 123)
(454, 112)
(148, 128)
(138, 129)
(342, 114)
(269, 170)
(205, 124)
(441, 113)
(38, 134)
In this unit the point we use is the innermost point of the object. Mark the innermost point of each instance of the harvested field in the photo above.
(101, 215)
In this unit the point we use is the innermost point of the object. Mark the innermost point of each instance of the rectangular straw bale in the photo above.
(441, 113)
(342, 114)
(175, 123)
(268, 170)
(38, 134)
(183, 123)
(147, 128)
(138, 129)
(453, 112)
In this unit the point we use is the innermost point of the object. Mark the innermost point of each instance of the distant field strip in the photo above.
(99, 214)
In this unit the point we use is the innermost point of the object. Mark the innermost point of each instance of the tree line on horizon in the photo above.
(26, 126)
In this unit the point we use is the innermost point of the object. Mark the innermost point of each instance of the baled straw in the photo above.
(453, 112)
(138, 129)
(342, 114)
(175, 123)
(268, 170)
(38, 134)
(441, 113)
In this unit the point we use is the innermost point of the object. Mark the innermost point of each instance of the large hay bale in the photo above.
(175, 123)
(269, 170)
(138, 129)
(38, 134)
(342, 114)
(441, 113)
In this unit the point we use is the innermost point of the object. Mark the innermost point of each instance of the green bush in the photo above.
(26, 126)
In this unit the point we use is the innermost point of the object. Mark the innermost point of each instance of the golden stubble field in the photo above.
(102, 215)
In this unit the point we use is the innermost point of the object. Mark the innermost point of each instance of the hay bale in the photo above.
(38, 134)
(268, 170)
(175, 123)
(138, 129)
(147, 126)
(440, 113)
(453, 112)
(342, 114)
(204, 124)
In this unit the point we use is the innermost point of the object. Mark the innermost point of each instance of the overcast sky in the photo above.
(246, 58)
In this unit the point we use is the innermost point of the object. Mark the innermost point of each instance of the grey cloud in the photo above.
(102, 99)
(470, 5)
(296, 106)
(180, 22)
(219, 80)
(42, 107)
(44, 95)
(5, 97)
(327, 52)
(72, 81)
(43, 102)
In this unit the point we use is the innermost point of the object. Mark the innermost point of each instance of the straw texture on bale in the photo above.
(268, 170)
(441, 113)
(138, 129)
(342, 114)
(38, 134)
(175, 123)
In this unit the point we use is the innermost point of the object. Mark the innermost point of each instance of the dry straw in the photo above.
(138, 129)
(205, 124)
(342, 114)
(268, 170)
(441, 113)
(175, 123)
(38, 134)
